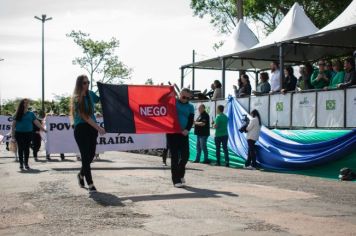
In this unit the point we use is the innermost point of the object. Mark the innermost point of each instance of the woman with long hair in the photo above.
(253, 132)
(22, 127)
(85, 127)
(245, 87)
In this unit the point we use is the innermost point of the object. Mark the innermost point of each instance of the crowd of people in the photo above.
(325, 75)
(26, 126)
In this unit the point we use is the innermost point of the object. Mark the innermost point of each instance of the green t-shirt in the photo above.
(321, 83)
(221, 125)
(337, 79)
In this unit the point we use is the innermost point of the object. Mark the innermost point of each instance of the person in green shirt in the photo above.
(338, 78)
(221, 135)
(321, 77)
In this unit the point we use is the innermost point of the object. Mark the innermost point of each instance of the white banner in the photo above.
(60, 138)
(304, 109)
(330, 109)
(280, 110)
(5, 124)
(351, 108)
(260, 103)
(245, 103)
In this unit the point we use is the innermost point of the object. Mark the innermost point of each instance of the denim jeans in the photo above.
(218, 141)
(201, 145)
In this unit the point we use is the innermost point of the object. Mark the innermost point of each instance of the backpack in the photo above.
(346, 174)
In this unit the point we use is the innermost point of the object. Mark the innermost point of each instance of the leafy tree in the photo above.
(149, 81)
(59, 105)
(269, 12)
(99, 59)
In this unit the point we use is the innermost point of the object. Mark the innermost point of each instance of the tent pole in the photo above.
(256, 82)
(281, 64)
(193, 71)
(181, 77)
(223, 66)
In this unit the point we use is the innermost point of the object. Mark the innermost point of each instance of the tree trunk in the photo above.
(240, 9)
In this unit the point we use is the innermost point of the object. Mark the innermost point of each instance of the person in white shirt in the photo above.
(218, 90)
(275, 78)
(253, 132)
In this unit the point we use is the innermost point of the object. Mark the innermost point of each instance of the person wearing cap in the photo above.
(321, 77)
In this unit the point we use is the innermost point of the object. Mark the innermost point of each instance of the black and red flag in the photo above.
(139, 109)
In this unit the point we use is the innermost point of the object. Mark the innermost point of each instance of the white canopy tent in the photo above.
(346, 18)
(292, 44)
(341, 32)
(295, 24)
(242, 38)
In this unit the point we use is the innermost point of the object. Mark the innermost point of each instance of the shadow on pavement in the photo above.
(122, 168)
(192, 193)
(106, 199)
(102, 160)
(32, 171)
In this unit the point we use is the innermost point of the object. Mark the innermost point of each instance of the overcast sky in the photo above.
(156, 38)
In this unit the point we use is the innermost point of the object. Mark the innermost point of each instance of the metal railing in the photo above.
(331, 109)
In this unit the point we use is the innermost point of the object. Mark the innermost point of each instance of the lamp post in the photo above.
(43, 19)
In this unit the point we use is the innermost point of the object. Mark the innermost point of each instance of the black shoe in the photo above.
(21, 167)
(7, 149)
(227, 165)
(196, 161)
(27, 167)
(92, 189)
(206, 162)
(48, 158)
(62, 157)
(80, 181)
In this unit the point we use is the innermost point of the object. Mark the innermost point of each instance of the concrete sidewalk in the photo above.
(136, 197)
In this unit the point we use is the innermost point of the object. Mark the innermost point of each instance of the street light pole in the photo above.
(43, 19)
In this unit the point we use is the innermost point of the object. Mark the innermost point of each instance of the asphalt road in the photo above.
(136, 197)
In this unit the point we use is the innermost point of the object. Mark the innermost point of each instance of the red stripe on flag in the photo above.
(154, 109)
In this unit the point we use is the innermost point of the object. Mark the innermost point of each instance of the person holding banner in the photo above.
(253, 132)
(22, 127)
(85, 128)
(178, 143)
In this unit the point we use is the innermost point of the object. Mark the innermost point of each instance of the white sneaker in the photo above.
(182, 180)
(178, 185)
(249, 168)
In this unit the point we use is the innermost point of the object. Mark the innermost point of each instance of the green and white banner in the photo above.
(260, 103)
(351, 107)
(330, 109)
(280, 110)
(304, 109)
